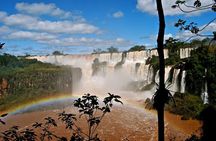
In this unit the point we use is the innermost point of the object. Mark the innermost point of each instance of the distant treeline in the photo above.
(25, 79)
(115, 50)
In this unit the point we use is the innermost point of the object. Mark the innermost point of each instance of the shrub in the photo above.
(187, 105)
(137, 48)
(88, 107)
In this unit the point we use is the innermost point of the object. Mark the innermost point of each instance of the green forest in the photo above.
(200, 68)
(32, 79)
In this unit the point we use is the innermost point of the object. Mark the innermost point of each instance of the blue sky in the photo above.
(39, 27)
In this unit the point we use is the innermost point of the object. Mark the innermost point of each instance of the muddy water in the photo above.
(186, 126)
(124, 122)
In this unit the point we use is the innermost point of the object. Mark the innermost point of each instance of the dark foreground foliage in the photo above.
(187, 105)
(207, 116)
(88, 107)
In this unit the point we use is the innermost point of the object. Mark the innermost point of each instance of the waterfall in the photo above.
(174, 86)
(183, 84)
(185, 52)
(204, 94)
(128, 66)
(157, 77)
(150, 74)
(142, 72)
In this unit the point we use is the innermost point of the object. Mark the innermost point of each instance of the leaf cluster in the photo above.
(192, 27)
(14, 134)
(1, 116)
(88, 105)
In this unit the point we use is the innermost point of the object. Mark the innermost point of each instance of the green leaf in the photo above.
(3, 115)
(174, 6)
(116, 100)
(214, 7)
(214, 33)
(197, 3)
(2, 121)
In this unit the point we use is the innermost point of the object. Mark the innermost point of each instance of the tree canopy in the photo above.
(137, 48)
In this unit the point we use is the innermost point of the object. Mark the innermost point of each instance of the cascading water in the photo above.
(185, 52)
(157, 77)
(204, 94)
(174, 86)
(150, 74)
(131, 66)
(183, 84)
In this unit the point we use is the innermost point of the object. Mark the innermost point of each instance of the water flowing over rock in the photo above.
(204, 94)
(183, 84)
(185, 52)
(175, 87)
(116, 71)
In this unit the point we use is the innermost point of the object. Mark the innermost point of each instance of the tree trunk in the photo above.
(160, 40)
(160, 112)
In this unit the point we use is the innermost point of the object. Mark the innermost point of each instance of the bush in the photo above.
(88, 107)
(112, 50)
(187, 105)
(57, 53)
(137, 48)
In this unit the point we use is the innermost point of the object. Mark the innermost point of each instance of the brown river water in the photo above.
(122, 124)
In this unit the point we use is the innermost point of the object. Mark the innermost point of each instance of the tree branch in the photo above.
(194, 10)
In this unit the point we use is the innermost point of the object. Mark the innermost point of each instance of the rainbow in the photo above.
(42, 101)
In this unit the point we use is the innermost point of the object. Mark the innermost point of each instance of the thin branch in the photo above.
(79, 130)
(207, 24)
(98, 124)
(190, 6)
(200, 35)
(194, 10)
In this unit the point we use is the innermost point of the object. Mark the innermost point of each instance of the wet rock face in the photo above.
(185, 52)
(56, 80)
(3, 86)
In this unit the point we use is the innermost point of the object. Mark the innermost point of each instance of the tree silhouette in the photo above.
(88, 107)
(192, 26)
(112, 49)
(208, 116)
(2, 45)
(162, 95)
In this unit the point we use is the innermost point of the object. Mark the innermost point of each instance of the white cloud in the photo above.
(149, 6)
(92, 42)
(4, 30)
(2, 14)
(54, 40)
(29, 25)
(183, 35)
(31, 35)
(154, 37)
(167, 36)
(32, 23)
(118, 14)
(210, 28)
(120, 40)
(48, 9)
(42, 9)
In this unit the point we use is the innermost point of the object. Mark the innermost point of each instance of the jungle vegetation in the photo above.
(32, 79)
